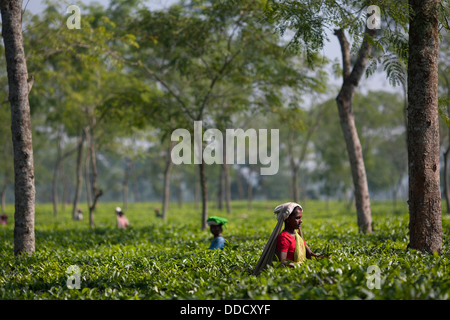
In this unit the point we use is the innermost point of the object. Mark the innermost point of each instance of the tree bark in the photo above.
(55, 176)
(180, 195)
(226, 173)
(204, 192)
(3, 194)
(79, 178)
(196, 190)
(227, 187)
(126, 178)
(446, 188)
(294, 166)
(345, 107)
(136, 190)
(65, 198)
(60, 157)
(166, 190)
(239, 184)
(221, 187)
(447, 151)
(425, 224)
(96, 192)
(19, 88)
(250, 188)
(87, 179)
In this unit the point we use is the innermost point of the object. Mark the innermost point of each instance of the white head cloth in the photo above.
(282, 211)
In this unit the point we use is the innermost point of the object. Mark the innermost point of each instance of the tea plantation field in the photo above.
(160, 260)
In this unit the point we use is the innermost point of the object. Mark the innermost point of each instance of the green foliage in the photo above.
(443, 104)
(309, 22)
(157, 260)
(391, 52)
(444, 77)
(210, 59)
(444, 13)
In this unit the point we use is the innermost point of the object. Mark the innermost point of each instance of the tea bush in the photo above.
(160, 260)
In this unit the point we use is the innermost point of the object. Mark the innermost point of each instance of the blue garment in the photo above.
(218, 243)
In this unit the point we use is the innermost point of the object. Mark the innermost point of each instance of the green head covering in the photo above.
(216, 221)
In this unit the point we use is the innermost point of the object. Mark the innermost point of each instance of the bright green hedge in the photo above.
(170, 260)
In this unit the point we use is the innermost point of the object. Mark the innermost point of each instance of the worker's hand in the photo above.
(320, 256)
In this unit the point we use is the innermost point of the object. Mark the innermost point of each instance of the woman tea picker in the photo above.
(288, 246)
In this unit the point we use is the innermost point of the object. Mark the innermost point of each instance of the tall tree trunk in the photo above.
(221, 187)
(425, 224)
(136, 190)
(3, 194)
(180, 195)
(79, 177)
(239, 184)
(56, 169)
(250, 188)
(262, 184)
(344, 102)
(204, 192)
(294, 166)
(196, 190)
(227, 187)
(126, 178)
(394, 197)
(226, 173)
(446, 187)
(64, 191)
(447, 151)
(166, 190)
(87, 178)
(96, 192)
(19, 88)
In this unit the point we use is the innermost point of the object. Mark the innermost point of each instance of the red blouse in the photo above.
(286, 243)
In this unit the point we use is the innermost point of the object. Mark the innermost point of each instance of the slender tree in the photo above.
(425, 222)
(344, 100)
(19, 89)
(297, 158)
(309, 35)
(167, 169)
(79, 176)
(73, 107)
(6, 149)
(205, 53)
(444, 108)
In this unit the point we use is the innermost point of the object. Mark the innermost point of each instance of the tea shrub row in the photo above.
(158, 260)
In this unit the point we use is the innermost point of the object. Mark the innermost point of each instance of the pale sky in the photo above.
(37, 6)
(331, 49)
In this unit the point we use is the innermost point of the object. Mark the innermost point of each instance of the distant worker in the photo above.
(3, 219)
(79, 214)
(122, 221)
(215, 225)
